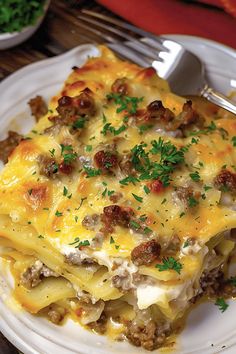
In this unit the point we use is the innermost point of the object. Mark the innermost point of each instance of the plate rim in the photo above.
(7, 331)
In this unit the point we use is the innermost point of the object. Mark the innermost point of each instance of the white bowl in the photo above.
(8, 40)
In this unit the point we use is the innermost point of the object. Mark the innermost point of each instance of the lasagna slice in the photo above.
(118, 208)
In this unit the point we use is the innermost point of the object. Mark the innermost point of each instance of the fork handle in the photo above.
(218, 99)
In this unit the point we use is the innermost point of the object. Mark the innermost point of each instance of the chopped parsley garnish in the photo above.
(195, 176)
(68, 154)
(192, 202)
(134, 225)
(77, 239)
(125, 103)
(186, 244)
(112, 240)
(76, 218)
(232, 281)
(65, 148)
(88, 148)
(81, 203)
(79, 243)
(181, 214)
(194, 141)
(233, 140)
(52, 152)
(106, 128)
(79, 123)
(83, 243)
(146, 189)
(209, 129)
(147, 230)
(139, 199)
(163, 201)
(224, 134)
(55, 167)
(144, 127)
(68, 158)
(207, 188)
(170, 156)
(40, 236)
(170, 263)
(65, 191)
(129, 179)
(104, 118)
(30, 191)
(91, 172)
(104, 192)
(109, 128)
(58, 213)
(117, 247)
(220, 302)
(143, 218)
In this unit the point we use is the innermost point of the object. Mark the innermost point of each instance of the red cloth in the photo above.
(215, 21)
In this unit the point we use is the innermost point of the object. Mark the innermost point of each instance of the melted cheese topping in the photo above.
(41, 217)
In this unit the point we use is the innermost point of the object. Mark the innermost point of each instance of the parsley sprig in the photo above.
(125, 103)
(220, 302)
(169, 158)
(169, 263)
(109, 128)
(68, 154)
(79, 243)
(91, 172)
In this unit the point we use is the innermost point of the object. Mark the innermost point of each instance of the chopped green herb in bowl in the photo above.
(19, 19)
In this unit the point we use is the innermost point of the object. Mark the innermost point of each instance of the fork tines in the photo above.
(128, 41)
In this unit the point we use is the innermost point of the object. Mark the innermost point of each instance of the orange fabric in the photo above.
(216, 21)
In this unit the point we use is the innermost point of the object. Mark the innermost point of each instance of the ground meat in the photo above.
(185, 194)
(8, 145)
(35, 274)
(48, 166)
(91, 221)
(156, 113)
(225, 181)
(66, 168)
(211, 282)
(188, 114)
(70, 109)
(56, 314)
(100, 325)
(115, 197)
(115, 215)
(156, 186)
(120, 86)
(126, 166)
(38, 107)
(106, 161)
(173, 246)
(53, 130)
(78, 259)
(122, 282)
(150, 336)
(156, 110)
(146, 253)
(97, 241)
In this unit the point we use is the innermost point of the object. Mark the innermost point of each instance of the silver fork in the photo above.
(183, 70)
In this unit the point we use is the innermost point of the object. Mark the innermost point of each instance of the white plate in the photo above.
(206, 325)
